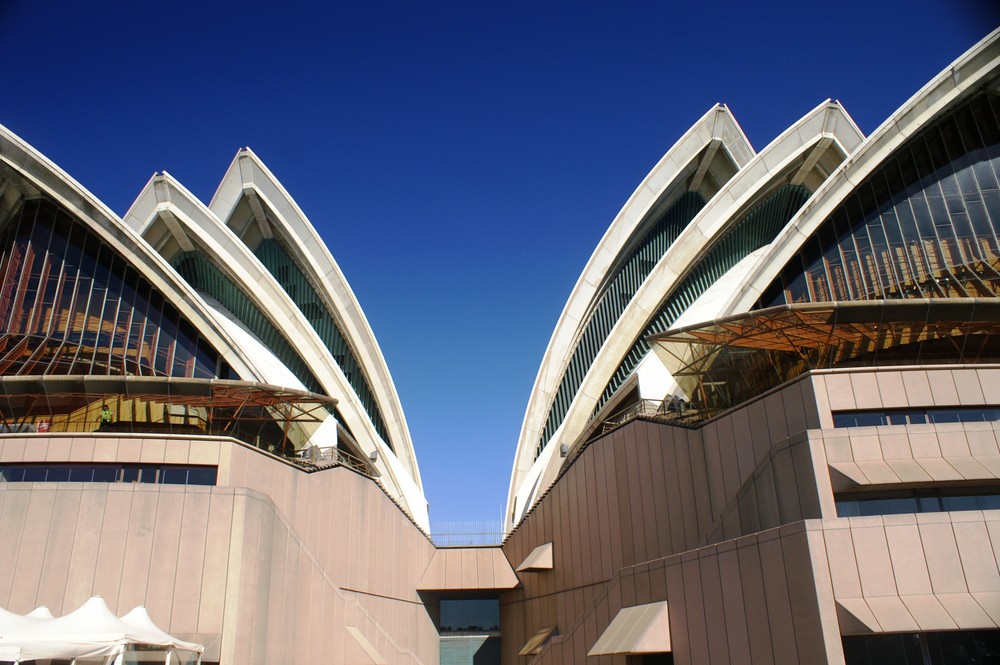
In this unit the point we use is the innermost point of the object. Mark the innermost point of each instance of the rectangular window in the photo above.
(915, 416)
(109, 473)
(905, 502)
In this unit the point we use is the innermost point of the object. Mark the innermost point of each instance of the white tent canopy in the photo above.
(90, 632)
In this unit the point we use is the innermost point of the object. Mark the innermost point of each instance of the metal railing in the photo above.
(674, 410)
(315, 458)
(476, 533)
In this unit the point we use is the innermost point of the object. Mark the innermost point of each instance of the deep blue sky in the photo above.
(461, 159)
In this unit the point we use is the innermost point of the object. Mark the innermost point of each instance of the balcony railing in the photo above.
(476, 533)
(673, 410)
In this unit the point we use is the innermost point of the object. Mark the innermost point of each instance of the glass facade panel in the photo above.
(470, 615)
(70, 305)
(925, 223)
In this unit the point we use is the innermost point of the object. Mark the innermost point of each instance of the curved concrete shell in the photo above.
(195, 241)
(799, 160)
(702, 160)
(255, 206)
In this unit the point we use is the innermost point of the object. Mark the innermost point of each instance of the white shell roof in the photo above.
(826, 125)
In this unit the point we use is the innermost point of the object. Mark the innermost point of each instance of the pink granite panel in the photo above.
(176, 452)
(715, 611)
(866, 390)
(59, 546)
(744, 443)
(865, 447)
(843, 564)
(767, 500)
(967, 386)
(918, 388)
(86, 545)
(106, 450)
(732, 479)
(12, 520)
(941, 551)
(713, 469)
(679, 638)
(924, 443)
(796, 409)
(978, 558)
(205, 452)
(166, 532)
(685, 483)
(840, 392)
(872, 553)
(81, 450)
(953, 444)
(138, 548)
(749, 517)
(736, 611)
(816, 400)
(759, 430)
(59, 448)
(892, 614)
(779, 609)
(129, 450)
(891, 391)
(802, 598)
(755, 601)
(114, 535)
(939, 470)
(908, 564)
(989, 382)
(786, 486)
(13, 449)
(943, 387)
(774, 412)
(894, 446)
(659, 510)
(965, 611)
(213, 581)
(36, 450)
(982, 443)
(838, 448)
(191, 560)
(928, 612)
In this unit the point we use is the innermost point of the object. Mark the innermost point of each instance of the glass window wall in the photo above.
(69, 304)
(924, 225)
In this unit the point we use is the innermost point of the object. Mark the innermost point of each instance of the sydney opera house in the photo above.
(766, 428)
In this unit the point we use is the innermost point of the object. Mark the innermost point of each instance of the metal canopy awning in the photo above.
(636, 630)
(725, 362)
(534, 646)
(22, 395)
(539, 559)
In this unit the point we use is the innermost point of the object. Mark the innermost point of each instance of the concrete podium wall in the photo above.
(735, 525)
(271, 564)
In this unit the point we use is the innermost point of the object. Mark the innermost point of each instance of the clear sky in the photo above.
(461, 159)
